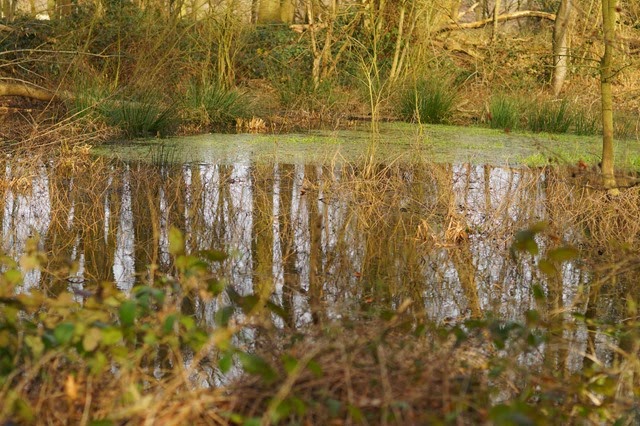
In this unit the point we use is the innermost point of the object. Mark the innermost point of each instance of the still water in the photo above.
(324, 236)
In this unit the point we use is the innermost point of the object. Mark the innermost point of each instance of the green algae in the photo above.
(395, 142)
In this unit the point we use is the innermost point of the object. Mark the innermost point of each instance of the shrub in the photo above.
(429, 101)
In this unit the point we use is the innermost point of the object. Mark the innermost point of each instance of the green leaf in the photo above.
(253, 421)
(213, 255)
(276, 309)
(13, 276)
(538, 292)
(334, 406)
(355, 413)
(563, 254)
(169, 322)
(315, 368)
(290, 363)
(176, 241)
(91, 339)
(282, 411)
(253, 364)
(215, 286)
(547, 267)
(127, 313)
(223, 315)
(35, 344)
(101, 422)
(226, 362)
(111, 336)
(63, 333)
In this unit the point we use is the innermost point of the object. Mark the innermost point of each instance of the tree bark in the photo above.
(606, 77)
(561, 45)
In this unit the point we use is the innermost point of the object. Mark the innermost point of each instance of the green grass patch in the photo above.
(139, 116)
(505, 113)
(549, 116)
(428, 101)
(213, 105)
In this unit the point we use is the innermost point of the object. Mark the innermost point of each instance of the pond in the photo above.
(327, 223)
(323, 278)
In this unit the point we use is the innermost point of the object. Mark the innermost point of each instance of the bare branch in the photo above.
(507, 17)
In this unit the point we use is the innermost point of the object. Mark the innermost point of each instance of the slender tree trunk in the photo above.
(496, 13)
(268, 11)
(561, 45)
(606, 77)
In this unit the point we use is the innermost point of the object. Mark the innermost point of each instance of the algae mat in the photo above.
(395, 142)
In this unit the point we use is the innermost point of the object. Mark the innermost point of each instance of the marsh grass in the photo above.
(140, 115)
(212, 105)
(428, 101)
(549, 116)
(586, 121)
(626, 125)
(505, 112)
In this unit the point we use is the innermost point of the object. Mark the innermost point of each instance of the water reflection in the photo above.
(320, 239)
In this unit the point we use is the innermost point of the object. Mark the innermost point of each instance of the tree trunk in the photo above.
(561, 45)
(268, 11)
(275, 11)
(496, 13)
(606, 77)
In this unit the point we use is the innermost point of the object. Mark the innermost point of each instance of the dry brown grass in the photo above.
(372, 373)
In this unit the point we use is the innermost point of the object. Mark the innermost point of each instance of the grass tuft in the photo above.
(505, 113)
(549, 117)
(213, 105)
(429, 101)
(140, 116)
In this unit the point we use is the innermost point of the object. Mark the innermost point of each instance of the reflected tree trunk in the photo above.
(291, 284)
(459, 246)
(316, 285)
(262, 231)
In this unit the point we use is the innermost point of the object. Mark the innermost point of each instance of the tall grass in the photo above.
(586, 121)
(626, 125)
(549, 116)
(139, 116)
(505, 113)
(87, 99)
(428, 101)
(212, 105)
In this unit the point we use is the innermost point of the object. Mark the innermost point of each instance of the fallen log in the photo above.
(26, 91)
(507, 17)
